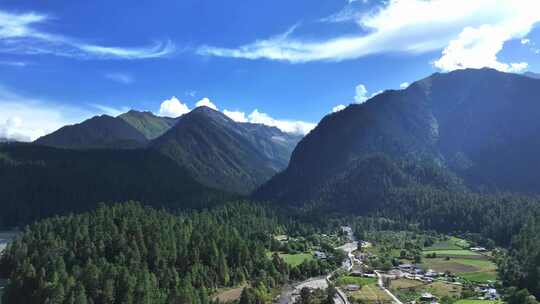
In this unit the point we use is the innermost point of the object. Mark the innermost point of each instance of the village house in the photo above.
(406, 267)
(478, 249)
(320, 255)
(356, 273)
(428, 297)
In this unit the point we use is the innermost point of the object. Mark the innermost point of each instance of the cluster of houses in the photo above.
(487, 293)
(413, 272)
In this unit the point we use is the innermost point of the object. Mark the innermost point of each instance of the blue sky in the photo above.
(279, 62)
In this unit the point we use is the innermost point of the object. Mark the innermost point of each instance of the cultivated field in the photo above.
(472, 269)
(371, 294)
(409, 290)
(346, 280)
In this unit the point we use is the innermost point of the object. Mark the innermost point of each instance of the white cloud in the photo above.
(25, 118)
(518, 67)
(205, 102)
(19, 34)
(173, 108)
(289, 126)
(525, 41)
(237, 116)
(478, 48)
(404, 85)
(361, 94)
(256, 117)
(338, 108)
(410, 26)
(122, 78)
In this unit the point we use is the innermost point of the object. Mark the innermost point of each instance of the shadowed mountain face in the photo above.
(224, 154)
(45, 181)
(479, 124)
(98, 132)
(150, 125)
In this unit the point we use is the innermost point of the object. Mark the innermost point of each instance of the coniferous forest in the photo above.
(128, 253)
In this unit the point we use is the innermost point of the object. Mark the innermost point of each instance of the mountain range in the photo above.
(463, 131)
(477, 129)
(214, 149)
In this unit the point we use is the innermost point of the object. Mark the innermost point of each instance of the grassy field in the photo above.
(443, 245)
(296, 259)
(460, 252)
(346, 280)
(293, 259)
(452, 243)
(479, 277)
(371, 294)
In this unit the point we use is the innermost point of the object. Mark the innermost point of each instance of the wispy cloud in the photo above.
(122, 78)
(19, 34)
(111, 111)
(408, 26)
(349, 13)
(14, 63)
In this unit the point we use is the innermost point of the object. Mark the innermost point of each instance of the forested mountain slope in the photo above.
(41, 181)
